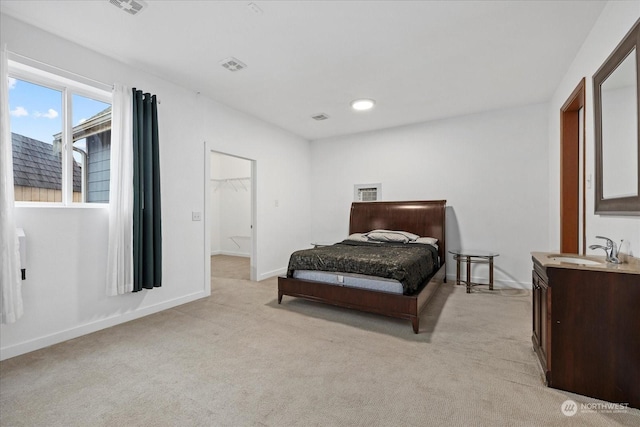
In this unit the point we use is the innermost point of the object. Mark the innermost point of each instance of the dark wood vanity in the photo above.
(586, 328)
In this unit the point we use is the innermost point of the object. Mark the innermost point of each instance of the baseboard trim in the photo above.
(272, 273)
(231, 253)
(87, 328)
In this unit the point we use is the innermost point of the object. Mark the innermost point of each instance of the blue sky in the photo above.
(36, 111)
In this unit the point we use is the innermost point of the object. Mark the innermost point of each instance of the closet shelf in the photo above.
(235, 183)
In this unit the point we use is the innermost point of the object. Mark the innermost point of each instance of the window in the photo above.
(61, 137)
(367, 192)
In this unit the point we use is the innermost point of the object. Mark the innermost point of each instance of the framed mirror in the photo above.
(616, 94)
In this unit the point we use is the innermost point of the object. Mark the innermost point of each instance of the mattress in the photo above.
(351, 280)
(409, 264)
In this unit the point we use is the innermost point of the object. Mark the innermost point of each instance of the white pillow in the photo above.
(391, 236)
(358, 237)
(426, 241)
(408, 235)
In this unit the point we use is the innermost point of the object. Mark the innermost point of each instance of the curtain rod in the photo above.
(17, 55)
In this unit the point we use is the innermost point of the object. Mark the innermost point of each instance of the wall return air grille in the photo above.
(367, 192)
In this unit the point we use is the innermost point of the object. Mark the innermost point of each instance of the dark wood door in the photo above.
(536, 310)
(545, 323)
(572, 236)
(541, 337)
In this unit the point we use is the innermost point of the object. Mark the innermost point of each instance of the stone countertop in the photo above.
(630, 265)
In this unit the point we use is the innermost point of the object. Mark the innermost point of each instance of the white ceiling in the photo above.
(420, 60)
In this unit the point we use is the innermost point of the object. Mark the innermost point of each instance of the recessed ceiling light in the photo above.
(363, 104)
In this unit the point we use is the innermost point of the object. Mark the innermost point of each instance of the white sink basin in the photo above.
(576, 260)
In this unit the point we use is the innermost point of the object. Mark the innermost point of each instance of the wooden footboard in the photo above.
(393, 305)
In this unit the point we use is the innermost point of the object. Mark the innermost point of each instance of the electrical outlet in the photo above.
(196, 216)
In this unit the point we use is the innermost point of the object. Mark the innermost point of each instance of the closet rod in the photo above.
(230, 181)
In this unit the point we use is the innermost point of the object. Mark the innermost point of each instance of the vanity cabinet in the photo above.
(586, 331)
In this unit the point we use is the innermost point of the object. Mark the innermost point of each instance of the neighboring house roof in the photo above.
(95, 124)
(35, 164)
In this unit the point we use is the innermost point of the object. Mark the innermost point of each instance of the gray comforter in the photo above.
(410, 264)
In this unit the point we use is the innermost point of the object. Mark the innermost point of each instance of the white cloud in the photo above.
(19, 112)
(50, 114)
(12, 82)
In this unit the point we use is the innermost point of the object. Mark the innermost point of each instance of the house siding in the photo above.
(98, 167)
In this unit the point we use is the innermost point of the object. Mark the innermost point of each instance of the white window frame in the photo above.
(52, 77)
(358, 187)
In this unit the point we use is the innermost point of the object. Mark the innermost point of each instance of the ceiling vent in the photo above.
(319, 117)
(132, 7)
(233, 64)
(255, 8)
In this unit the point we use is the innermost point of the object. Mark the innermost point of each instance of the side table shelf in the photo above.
(473, 257)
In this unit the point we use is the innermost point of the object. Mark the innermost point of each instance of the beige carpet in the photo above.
(230, 267)
(240, 359)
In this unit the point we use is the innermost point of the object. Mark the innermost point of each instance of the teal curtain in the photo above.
(147, 227)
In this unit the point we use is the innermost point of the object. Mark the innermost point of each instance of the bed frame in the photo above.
(424, 218)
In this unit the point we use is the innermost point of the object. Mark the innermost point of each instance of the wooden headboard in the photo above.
(424, 218)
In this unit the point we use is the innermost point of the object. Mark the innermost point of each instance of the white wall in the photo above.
(282, 164)
(490, 167)
(64, 295)
(232, 206)
(616, 20)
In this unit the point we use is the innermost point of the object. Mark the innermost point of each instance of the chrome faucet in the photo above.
(611, 249)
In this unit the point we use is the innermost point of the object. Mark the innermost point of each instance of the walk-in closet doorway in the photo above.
(231, 216)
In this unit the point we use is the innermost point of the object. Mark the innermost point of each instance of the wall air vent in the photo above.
(132, 7)
(367, 192)
(233, 64)
(321, 116)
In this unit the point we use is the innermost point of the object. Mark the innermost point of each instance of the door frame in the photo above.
(571, 234)
(253, 274)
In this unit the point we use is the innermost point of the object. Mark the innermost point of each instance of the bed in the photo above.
(422, 218)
